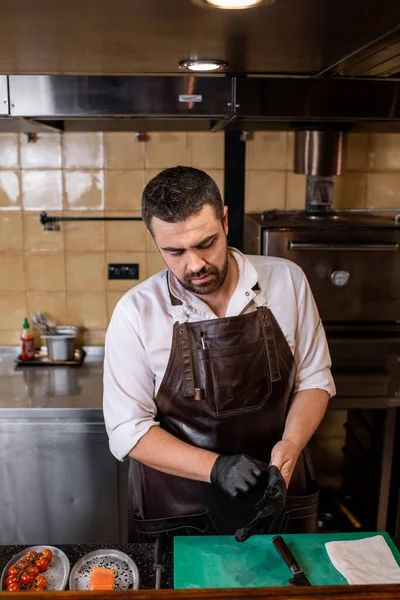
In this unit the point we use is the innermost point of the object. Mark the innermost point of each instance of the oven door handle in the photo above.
(332, 247)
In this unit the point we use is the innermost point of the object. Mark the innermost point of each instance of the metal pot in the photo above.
(61, 345)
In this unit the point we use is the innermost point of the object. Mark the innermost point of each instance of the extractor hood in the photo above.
(95, 64)
(159, 103)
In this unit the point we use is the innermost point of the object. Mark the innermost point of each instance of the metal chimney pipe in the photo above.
(321, 152)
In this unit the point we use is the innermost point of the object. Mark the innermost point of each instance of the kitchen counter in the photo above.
(78, 387)
(142, 554)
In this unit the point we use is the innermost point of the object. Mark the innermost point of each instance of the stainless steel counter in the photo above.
(60, 483)
(50, 387)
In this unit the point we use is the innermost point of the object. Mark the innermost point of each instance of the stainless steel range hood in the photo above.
(173, 102)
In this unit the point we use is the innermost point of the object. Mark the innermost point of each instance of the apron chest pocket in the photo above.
(234, 379)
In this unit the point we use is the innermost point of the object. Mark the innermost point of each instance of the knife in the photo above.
(298, 575)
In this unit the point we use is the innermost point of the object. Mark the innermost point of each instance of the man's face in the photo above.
(195, 250)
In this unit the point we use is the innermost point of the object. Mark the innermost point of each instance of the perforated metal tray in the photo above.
(56, 574)
(125, 570)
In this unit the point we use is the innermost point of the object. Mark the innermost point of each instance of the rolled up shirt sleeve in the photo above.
(312, 355)
(128, 397)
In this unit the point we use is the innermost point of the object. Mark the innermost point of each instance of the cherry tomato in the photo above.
(14, 570)
(13, 587)
(31, 555)
(10, 579)
(42, 564)
(39, 584)
(41, 580)
(22, 563)
(47, 553)
(26, 578)
(32, 569)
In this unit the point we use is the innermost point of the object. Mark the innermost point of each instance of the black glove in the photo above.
(238, 474)
(271, 514)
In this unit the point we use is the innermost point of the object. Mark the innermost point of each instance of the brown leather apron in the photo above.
(227, 388)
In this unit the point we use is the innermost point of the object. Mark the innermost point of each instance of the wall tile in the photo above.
(384, 152)
(267, 151)
(125, 236)
(357, 152)
(295, 191)
(83, 150)
(85, 272)
(9, 151)
(37, 239)
(10, 337)
(155, 263)
(167, 150)
(10, 196)
(53, 306)
(91, 337)
(290, 151)
(87, 309)
(112, 299)
(42, 190)
(84, 190)
(13, 310)
(45, 272)
(265, 190)
(83, 236)
(383, 190)
(123, 189)
(122, 151)
(12, 277)
(349, 191)
(44, 152)
(11, 232)
(206, 150)
(124, 285)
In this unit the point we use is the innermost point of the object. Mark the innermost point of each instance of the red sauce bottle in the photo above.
(27, 342)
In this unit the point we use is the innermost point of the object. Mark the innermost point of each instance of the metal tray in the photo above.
(56, 574)
(125, 569)
(42, 359)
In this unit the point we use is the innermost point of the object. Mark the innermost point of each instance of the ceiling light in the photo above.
(231, 4)
(203, 65)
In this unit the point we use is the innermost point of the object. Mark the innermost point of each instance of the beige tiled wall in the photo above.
(63, 273)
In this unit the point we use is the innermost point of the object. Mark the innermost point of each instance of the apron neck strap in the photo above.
(174, 300)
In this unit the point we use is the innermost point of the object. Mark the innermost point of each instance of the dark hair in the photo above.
(177, 193)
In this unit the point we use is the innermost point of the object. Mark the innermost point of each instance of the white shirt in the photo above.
(139, 336)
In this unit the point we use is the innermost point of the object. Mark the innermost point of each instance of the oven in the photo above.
(352, 262)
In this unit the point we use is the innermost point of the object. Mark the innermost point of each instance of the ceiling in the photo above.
(125, 37)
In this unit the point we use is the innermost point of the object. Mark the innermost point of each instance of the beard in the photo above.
(213, 283)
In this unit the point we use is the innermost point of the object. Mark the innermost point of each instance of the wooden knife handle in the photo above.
(285, 553)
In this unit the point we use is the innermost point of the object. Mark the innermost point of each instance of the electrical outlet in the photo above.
(123, 271)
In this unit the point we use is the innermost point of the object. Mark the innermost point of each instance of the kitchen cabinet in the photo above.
(59, 482)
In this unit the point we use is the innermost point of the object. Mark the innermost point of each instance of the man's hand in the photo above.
(238, 474)
(284, 456)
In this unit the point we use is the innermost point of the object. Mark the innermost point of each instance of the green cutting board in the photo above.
(221, 562)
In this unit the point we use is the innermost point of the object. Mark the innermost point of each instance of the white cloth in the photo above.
(369, 560)
(139, 336)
